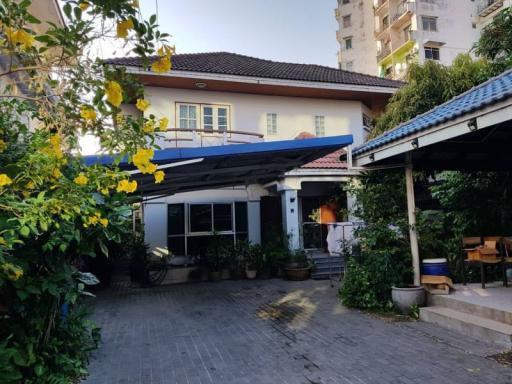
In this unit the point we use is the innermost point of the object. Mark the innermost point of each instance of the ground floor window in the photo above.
(191, 227)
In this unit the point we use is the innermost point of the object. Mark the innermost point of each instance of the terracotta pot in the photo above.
(297, 271)
(405, 298)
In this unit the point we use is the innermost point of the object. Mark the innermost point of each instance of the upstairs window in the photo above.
(349, 65)
(320, 126)
(271, 123)
(208, 117)
(187, 116)
(431, 53)
(346, 21)
(348, 43)
(429, 23)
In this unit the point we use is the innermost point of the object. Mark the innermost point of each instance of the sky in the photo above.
(300, 31)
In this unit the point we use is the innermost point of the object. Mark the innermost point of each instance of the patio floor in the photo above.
(272, 331)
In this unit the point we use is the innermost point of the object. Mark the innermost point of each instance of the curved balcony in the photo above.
(488, 6)
(186, 137)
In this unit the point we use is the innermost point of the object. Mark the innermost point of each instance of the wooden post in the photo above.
(411, 211)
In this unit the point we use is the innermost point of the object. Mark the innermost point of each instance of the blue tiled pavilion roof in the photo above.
(492, 91)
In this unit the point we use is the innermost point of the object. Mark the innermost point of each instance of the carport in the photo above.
(471, 132)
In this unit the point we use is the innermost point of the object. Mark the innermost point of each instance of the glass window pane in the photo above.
(200, 218)
(183, 111)
(192, 124)
(222, 112)
(241, 217)
(208, 111)
(192, 111)
(176, 219)
(222, 217)
(183, 123)
(176, 245)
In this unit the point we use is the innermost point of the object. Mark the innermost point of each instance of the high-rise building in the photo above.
(402, 32)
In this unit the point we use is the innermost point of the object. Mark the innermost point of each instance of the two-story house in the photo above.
(224, 99)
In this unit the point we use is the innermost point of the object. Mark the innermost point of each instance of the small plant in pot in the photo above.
(298, 268)
(238, 255)
(214, 259)
(253, 261)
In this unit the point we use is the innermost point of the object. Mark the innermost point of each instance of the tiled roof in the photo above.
(483, 95)
(239, 65)
(330, 161)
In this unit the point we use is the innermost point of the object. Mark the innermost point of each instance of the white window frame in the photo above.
(432, 49)
(271, 123)
(188, 119)
(200, 115)
(430, 19)
(320, 125)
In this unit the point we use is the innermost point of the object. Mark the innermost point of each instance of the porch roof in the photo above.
(472, 131)
(227, 165)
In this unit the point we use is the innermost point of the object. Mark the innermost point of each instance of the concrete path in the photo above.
(272, 331)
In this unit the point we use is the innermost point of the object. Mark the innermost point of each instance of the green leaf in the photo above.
(24, 231)
(39, 370)
(103, 247)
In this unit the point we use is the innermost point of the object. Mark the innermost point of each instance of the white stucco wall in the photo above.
(249, 112)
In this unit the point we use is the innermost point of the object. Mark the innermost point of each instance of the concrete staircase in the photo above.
(326, 266)
(481, 322)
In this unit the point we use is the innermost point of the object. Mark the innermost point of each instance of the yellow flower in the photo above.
(4, 180)
(56, 173)
(81, 179)
(104, 222)
(87, 113)
(159, 176)
(55, 143)
(119, 118)
(114, 93)
(166, 51)
(123, 27)
(3, 145)
(19, 36)
(163, 123)
(84, 5)
(12, 271)
(142, 104)
(142, 156)
(149, 126)
(127, 186)
(147, 168)
(30, 185)
(104, 191)
(162, 65)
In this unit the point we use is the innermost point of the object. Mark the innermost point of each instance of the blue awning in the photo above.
(229, 165)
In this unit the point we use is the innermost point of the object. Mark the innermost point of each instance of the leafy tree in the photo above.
(53, 209)
(495, 43)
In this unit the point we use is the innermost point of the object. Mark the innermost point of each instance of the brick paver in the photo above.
(271, 331)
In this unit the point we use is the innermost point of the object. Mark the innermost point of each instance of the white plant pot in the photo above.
(250, 274)
(405, 298)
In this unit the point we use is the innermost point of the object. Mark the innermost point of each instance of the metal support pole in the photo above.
(411, 211)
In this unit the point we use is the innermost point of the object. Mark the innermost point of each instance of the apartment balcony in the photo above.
(383, 53)
(402, 15)
(381, 30)
(380, 6)
(188, 137)
(337, 14)
(486, 7)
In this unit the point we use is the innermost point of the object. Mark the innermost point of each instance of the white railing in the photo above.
(186, 137)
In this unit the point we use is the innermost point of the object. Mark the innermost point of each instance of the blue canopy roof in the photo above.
(226, 165)
(488, 93)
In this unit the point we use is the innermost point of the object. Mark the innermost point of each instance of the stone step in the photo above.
(327, 259)
(486, 311)
(327, 267)
(325, 275)
(471, 325)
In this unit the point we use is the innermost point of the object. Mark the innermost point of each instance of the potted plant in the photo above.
(253, 261)
(214, 259)
(298, 268)
(238, 256)
(406, 297)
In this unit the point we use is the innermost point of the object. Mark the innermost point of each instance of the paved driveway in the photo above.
(272, 332)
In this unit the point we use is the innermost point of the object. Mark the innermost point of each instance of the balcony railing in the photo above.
(398, 16)
(383, 53)
(188, 137)
(380, 5)
(486, 7)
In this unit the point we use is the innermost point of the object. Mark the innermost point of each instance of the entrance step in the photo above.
(326, 266)
(483, 309)
(471, 325)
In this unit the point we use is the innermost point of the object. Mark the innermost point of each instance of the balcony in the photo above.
(380, 6)
(382, 28)
(187, 137)
(486, 7)
(337, 14)
(402, 15)
(384, 52)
